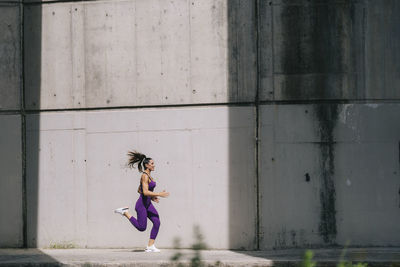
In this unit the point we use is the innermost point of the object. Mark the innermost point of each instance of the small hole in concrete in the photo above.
(307, 177)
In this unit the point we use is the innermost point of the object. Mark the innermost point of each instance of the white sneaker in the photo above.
(152, 248)
(121, 210)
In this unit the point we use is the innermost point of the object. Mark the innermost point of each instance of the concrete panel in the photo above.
(382, 45)
(242, 49)
(54, 58)
(10, 57)
(266, 51)
(368, 199)
(189, 141)
(11, 221)
(109, 51)
(208, 49)
(83, 176)
(317, 50)
(368, 123)
(368, 147)
(289, 204)
(135, 53)
(56, 181)
(338, 167)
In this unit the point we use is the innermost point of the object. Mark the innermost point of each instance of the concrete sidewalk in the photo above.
(135, 257)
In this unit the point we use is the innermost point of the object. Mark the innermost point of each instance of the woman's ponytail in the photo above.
(136, 157)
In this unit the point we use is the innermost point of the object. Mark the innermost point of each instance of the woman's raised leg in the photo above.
(141, 221)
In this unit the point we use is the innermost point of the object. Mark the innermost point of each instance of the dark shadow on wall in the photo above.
(32, 32)
(242, 85)
(316, 54)
(11, 182)
(319, 63)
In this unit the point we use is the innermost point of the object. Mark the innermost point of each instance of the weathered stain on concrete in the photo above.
(318, 50)
(327, 116)
(314, 52)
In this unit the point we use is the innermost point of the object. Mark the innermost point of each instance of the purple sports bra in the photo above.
(152, 185)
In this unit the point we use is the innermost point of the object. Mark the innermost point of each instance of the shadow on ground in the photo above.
(26, 257)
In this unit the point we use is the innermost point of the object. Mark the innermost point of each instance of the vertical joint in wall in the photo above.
(257, 136)
(23, 129)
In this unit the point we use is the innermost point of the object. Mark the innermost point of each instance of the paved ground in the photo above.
(134, 257)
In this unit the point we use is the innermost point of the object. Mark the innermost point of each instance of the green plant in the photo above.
(197, 247)
(308, 262)
(178, 255)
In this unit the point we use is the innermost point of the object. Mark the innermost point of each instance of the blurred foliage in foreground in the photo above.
(200, 244)
(196, 260)
(308, 262)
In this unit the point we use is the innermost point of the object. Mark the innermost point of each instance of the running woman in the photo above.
(144, 208)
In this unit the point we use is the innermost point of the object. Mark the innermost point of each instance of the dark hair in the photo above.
(139, 158)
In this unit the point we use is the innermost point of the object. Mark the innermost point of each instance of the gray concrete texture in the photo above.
(10, 181)
(329, 50)
(114, 53)
(10, 57)
(328, 173)
(135, 53)
(77, 176)
(343, 181)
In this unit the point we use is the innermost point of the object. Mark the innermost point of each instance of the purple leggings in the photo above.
(145, 209)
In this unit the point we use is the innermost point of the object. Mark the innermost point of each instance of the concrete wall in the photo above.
(11, 181)
(11, 189)
(108, 54)
(329, 50)
(10, 57)
(135, 53)
(321, 79)
(83, 175)
(338, 190)
(329, 172)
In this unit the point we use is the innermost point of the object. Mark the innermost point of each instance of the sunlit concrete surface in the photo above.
(136, 257)
(77, 164)
(136, 53)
